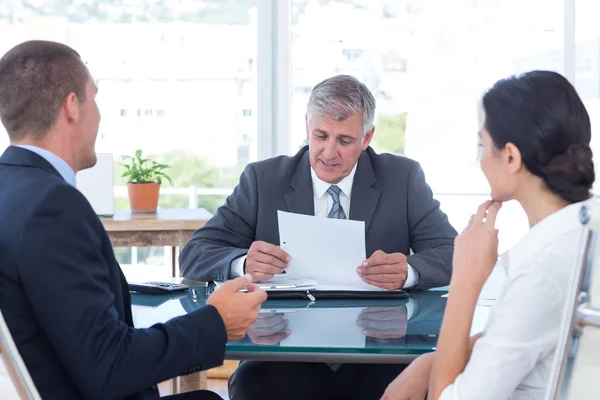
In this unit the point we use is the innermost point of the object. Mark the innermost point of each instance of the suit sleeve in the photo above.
(431, 235)
(67, 280)
(228, 235)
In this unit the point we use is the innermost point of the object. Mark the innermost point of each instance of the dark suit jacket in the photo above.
(389, 193)
(66, 301)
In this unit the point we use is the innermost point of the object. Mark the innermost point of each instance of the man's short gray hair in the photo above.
(339, 98)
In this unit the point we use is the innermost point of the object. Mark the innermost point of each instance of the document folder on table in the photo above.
(281, 287)
(315, 294)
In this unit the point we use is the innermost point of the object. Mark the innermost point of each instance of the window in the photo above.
(167, 58)
(587, 65)
(196, 60)
(427, 63)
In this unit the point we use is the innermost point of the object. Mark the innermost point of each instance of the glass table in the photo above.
(340, 331)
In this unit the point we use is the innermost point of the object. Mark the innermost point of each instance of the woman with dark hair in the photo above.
(535, 141)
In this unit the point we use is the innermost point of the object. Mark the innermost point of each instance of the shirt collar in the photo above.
(541, 234)
(320, 187)
(58, 163)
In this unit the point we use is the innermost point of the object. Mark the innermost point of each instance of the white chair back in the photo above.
(578, 351)
(15, 366)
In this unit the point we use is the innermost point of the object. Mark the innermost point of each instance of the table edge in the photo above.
(345, 358)
(136, 226)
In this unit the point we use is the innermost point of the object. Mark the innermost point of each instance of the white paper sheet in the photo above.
(285, 282)
(326, 250)
(493, 285)
(480, 318)
(492, 288)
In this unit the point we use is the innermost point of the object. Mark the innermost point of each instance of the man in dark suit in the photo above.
(62, 293)
(336, 176)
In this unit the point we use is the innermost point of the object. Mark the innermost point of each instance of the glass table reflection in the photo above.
(365, 331)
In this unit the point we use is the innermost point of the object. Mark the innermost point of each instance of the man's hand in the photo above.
(413, 382)
(383, 322)
(269, 329)
(265, 260)
(387, 271)
(238, 309)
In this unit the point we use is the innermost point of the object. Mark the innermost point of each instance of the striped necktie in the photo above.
(336, 212)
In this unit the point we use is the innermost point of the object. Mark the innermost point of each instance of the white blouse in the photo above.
(514, 357)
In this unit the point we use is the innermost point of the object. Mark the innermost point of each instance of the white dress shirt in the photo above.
(323, 203)
(58, 163)
(515, 356)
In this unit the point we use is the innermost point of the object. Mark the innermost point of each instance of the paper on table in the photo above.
(282, 282)
(493, 285)
(326, 250)
(480, 318)
(285, 282)
(492, 288)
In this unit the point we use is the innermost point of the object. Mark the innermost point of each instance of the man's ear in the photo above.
(512, 157)
(367, 138)
(71, 107)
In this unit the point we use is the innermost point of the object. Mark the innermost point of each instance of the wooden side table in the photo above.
(166, 227)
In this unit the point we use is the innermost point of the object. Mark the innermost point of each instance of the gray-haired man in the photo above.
(337, 176)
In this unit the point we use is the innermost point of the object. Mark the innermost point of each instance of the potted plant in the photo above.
(144, 177)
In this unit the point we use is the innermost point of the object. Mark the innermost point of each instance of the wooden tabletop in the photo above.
(163, 220)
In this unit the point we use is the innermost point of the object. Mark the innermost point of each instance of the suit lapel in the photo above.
(301, 200)
(364, 198)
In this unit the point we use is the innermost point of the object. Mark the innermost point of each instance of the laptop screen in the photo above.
(96, 184)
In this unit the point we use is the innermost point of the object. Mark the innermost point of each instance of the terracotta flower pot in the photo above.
(143, 197)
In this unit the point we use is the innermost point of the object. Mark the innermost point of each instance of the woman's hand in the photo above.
(476, 248)
(475, 254)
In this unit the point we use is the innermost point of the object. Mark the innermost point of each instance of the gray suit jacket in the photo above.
(389, 193)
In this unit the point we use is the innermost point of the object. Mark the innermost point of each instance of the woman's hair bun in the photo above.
(571, 174)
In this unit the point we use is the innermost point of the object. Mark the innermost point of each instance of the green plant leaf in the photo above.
(144, 170)
(161, 174)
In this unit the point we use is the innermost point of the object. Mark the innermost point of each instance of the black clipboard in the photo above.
(315, 294)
